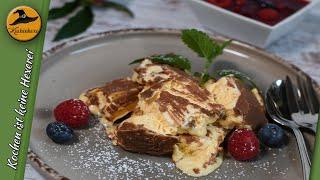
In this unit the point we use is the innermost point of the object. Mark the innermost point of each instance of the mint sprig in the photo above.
(56, 13)
(83, 19)
(174, 60)
(205, 47)
(76, 25)
(117, 6)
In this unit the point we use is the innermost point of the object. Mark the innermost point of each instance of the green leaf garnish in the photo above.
(76, 24)
(197, 74)
(199, 42)
(137, 61)
(239, 75)
(205, 47)
(117, 6)
(68, 7)
(84, 18)
(174, 60)
(204, 78)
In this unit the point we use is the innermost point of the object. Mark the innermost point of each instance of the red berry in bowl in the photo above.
(280, 4)
(303, 2)
(221, 3)
(237, 9)
(268, 14)
(240, 2)
(250, 9)
(243, 145)
(72, 112)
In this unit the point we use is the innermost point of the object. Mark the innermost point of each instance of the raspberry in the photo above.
(72, 112)
(243, 145)
(268, 14)
(221, 3)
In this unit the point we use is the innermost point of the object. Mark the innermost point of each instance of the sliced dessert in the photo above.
(113, 101)
(244, 106)
(199, 156)
(171, 108)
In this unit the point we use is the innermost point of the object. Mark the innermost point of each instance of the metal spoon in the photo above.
(278, 111)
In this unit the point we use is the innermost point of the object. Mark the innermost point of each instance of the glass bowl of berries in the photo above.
(257, 22)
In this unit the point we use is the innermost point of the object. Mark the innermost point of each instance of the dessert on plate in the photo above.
(164, 109)
(167, 112)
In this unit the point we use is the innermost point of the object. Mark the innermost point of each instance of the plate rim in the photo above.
(49, 172)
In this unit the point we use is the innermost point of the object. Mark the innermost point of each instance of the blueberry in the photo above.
(59, 132)
(272, 136)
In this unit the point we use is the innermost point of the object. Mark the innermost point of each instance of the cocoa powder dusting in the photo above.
(249, 107)
(93, 100)
(120, 85)
(201, 94)
(211, 161)
(190, 139)
(196, 170)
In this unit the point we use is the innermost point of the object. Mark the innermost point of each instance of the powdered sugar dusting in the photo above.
(94, 157)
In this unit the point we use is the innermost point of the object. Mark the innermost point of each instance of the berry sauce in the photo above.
(269, 12)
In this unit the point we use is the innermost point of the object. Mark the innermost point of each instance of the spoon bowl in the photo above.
(276, 106)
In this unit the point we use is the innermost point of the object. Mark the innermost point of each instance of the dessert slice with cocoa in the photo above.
(113, 101)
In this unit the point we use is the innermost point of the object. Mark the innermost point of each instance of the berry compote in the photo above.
(270, 12)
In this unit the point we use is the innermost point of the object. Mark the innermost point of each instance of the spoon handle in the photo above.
(305, 160)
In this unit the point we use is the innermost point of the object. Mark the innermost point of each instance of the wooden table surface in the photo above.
(300, 47)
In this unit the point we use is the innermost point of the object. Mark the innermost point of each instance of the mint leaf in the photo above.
(117, 6)
(204, 78)
(137, 61)
(199, 42)
(69, 7)
(239, 75)
(205, 47)
(76, 24)
(174, 60)
(223, 46)
(197, 74)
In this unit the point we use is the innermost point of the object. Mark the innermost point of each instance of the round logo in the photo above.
(23, 23)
